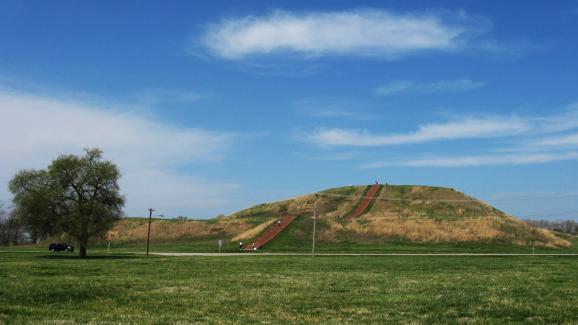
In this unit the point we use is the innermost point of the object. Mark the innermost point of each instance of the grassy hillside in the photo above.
(402, 214)
(243, 225)
(434, 214)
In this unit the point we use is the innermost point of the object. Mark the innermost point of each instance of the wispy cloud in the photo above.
(538, 140)
(328, 156)
(326, 107)
(557, 122)
(332, 112)
(422, 88)
(355, 32)
(460, 129)
(556, 141)
(154, 96)
(149, 153)
(479, 160)
(526, 140)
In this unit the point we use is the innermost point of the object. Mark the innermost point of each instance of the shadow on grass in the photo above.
(89, 257)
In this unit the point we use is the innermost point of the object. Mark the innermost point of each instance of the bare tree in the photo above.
(566, 226)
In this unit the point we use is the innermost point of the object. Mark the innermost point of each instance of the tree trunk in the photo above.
(82, 251)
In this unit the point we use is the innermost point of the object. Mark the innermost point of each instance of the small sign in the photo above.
(220, 244)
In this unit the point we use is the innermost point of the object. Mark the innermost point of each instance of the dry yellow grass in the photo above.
(243, 225)
(169, 230)
(253, 232)
(419, 229)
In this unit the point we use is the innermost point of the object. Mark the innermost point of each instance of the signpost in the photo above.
(220, 244)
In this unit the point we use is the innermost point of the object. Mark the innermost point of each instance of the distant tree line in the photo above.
(566, 226)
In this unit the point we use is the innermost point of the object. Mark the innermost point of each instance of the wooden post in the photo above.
(149, 232)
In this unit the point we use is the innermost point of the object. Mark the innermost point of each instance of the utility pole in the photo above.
(149, 232)
(314, 221)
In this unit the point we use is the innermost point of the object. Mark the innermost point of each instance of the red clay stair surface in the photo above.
(362, 206)
(271, 233)
(278, 227)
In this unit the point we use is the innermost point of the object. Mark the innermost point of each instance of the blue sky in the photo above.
(211, 107)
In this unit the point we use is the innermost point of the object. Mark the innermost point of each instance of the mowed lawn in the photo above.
(285, 289)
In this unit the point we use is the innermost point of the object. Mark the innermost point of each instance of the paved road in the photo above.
(356, 254)
(318, 254)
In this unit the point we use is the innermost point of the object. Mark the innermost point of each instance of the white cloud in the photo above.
(543, 149)
(154, 96)
(356, 32)
(172, 193)
(332, 112)
(421, 88)
(327, 107)
(561, 140)
(558, 122)
(36, 129)
(464, 128)
(480, 160)
(461, 129)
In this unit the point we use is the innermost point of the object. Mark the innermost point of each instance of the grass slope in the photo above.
(42, 288)
(404, 217)
(412, 218)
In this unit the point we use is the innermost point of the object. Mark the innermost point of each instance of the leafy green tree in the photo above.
(34, 206)
(75, 195)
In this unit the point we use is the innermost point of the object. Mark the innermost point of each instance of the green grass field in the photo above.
(285, 243)
(39, 287)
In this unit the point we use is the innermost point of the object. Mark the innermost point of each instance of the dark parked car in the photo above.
(60, 247)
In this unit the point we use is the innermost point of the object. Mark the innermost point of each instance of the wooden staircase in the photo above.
(278, 226)
(364, 204)
(271, 232)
